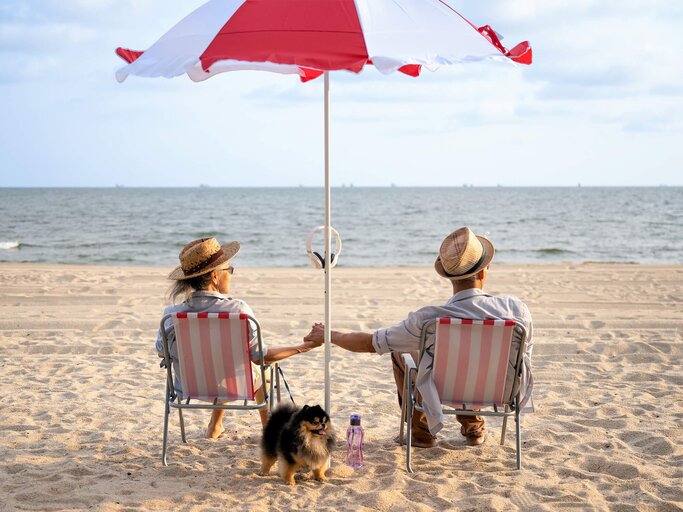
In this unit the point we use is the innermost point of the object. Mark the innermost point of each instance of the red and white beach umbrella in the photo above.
(310, 38)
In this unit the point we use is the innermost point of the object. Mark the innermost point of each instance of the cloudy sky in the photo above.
(601, 105)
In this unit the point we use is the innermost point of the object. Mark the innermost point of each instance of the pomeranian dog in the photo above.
(297, 438)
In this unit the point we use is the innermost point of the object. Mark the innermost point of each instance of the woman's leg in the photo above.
(215, 428)
(263, 411)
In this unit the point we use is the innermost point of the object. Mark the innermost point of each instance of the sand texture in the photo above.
(81, 409)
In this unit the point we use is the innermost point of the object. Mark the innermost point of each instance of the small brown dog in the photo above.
(298, 438)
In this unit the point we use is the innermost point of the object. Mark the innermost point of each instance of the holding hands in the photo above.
(352, 341)
(317, 335)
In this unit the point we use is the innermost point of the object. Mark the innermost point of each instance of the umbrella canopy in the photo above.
(314, 37)
(308, 37)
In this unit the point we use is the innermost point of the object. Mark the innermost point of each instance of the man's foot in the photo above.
(476, 440)
(423, 443)
(214, 431)
(419, 443)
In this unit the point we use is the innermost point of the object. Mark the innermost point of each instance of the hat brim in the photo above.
(490, 251)
(229, 251)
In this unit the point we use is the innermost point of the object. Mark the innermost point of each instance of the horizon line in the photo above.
(204, 186)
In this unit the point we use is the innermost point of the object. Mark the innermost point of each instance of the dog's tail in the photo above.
(275, 425)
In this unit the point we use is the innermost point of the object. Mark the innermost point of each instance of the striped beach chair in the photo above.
(476, 363)
(214, 364)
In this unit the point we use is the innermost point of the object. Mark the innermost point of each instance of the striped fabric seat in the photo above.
(468, 366)
(213, 355)
(471, 361)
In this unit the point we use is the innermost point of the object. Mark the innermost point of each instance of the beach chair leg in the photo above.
(519, 437)
(271, 396)
(404, 407)
(408, 398)
(277, 383)
(163, 446)
(505, 424)
(182, 423)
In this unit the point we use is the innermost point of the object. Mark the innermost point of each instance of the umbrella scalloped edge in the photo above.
(522, 53)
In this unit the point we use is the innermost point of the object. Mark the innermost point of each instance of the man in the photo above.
(464, 260)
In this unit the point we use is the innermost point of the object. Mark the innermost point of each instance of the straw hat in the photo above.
(202, 256)
(463, 254)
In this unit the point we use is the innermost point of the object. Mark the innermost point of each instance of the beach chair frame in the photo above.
(503, 407)
(240, 323)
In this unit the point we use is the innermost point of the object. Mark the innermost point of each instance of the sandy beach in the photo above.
(81, 412)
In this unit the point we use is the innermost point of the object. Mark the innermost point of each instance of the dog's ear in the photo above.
(304, 408)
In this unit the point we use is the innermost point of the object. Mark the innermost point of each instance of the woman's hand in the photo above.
(316, 337)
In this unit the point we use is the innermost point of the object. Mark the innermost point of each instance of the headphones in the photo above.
(316, 259)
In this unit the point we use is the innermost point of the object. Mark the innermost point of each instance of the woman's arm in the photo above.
(279, 353)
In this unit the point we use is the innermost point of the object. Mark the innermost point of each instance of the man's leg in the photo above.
(421, 437)
(472, 427)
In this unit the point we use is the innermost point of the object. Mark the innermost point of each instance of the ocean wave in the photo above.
(553, 250)
(7, 246)
(543, 250)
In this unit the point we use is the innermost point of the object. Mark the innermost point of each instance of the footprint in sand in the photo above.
(605, 466)
(128, 302)
(107, 325)
(647, 443)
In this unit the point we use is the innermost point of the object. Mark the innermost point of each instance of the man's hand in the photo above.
(316, 337)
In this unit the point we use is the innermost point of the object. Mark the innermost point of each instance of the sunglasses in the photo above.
(230, 270)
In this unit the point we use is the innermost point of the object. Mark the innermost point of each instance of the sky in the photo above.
(602, 105)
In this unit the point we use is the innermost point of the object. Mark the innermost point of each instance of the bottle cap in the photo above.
(355, 419)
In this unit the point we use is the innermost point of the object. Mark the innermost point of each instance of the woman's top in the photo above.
(206, 302)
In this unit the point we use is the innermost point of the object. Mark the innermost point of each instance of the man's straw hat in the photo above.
(202, 256)
(463, 254)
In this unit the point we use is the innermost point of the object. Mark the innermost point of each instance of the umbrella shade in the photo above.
(312, 37)
(308, 37)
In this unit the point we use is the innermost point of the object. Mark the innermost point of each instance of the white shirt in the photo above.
(471, 303)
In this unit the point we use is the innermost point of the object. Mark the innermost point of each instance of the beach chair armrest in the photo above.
(409, 362)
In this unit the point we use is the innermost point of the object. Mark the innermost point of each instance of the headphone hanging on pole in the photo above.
(317, 260)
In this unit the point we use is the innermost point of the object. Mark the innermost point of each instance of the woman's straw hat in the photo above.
(463, 254)
(202, 256)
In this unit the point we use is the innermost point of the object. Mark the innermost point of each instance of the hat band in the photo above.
(481, 260)
(204, 264)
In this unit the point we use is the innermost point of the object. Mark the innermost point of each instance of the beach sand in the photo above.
(81, 408)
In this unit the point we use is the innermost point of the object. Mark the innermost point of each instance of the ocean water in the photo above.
(391, 226)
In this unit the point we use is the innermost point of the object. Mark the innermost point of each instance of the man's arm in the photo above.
(351, 341)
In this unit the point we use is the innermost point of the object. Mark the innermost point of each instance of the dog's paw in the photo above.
(319, 475)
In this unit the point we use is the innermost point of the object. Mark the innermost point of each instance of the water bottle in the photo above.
(354, 443)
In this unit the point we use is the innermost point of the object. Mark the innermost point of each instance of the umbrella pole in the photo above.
(328, 262)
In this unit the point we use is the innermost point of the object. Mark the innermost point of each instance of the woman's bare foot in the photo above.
(215, 428)
(214, 431)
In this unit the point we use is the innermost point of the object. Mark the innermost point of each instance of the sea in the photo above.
(379, 227)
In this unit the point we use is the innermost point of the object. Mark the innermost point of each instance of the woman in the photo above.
(203, 280)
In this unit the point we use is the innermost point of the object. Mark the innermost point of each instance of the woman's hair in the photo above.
(184, 288)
